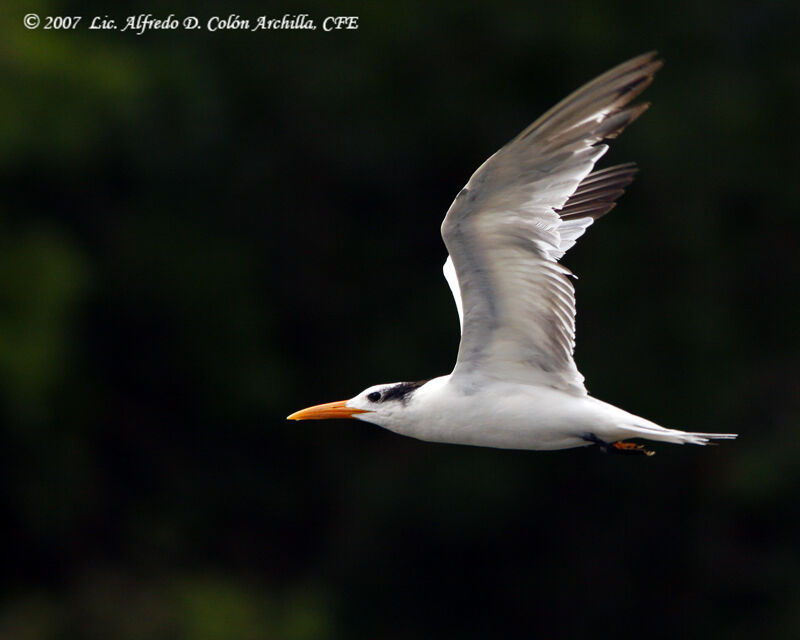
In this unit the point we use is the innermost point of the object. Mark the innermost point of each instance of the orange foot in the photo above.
(617, 447)
(631, 447)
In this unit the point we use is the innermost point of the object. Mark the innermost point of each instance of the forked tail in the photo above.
(676, 436)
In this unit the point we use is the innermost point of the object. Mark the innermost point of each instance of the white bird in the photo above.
(515, 384)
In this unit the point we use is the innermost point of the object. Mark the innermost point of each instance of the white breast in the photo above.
(500, 414)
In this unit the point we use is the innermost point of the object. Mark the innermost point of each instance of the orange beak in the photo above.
(325, 411)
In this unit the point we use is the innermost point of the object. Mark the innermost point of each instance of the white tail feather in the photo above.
(674, 436)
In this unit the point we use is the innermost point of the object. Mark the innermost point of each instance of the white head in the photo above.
(381, 404)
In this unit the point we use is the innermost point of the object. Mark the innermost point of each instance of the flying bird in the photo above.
(515, 384)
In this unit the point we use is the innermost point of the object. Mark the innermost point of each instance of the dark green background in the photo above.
(203, 232)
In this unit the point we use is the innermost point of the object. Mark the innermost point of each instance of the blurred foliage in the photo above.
(202, 232)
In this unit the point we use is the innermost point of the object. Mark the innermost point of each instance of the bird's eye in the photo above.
(374, 396)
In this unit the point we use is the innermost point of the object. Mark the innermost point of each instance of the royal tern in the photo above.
(515, 384)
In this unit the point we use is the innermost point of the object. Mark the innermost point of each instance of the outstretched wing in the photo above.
(519, 213)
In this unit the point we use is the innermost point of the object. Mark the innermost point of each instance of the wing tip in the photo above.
(620, 121)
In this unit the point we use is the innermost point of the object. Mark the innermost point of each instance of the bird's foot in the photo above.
(631, 447)
(626, 448)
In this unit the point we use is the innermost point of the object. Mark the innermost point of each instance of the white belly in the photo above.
(506, 415)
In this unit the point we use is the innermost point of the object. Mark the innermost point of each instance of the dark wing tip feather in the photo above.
(615, 124)
(607, 94)
(593, 210)
(625, 172)
(597, 192)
